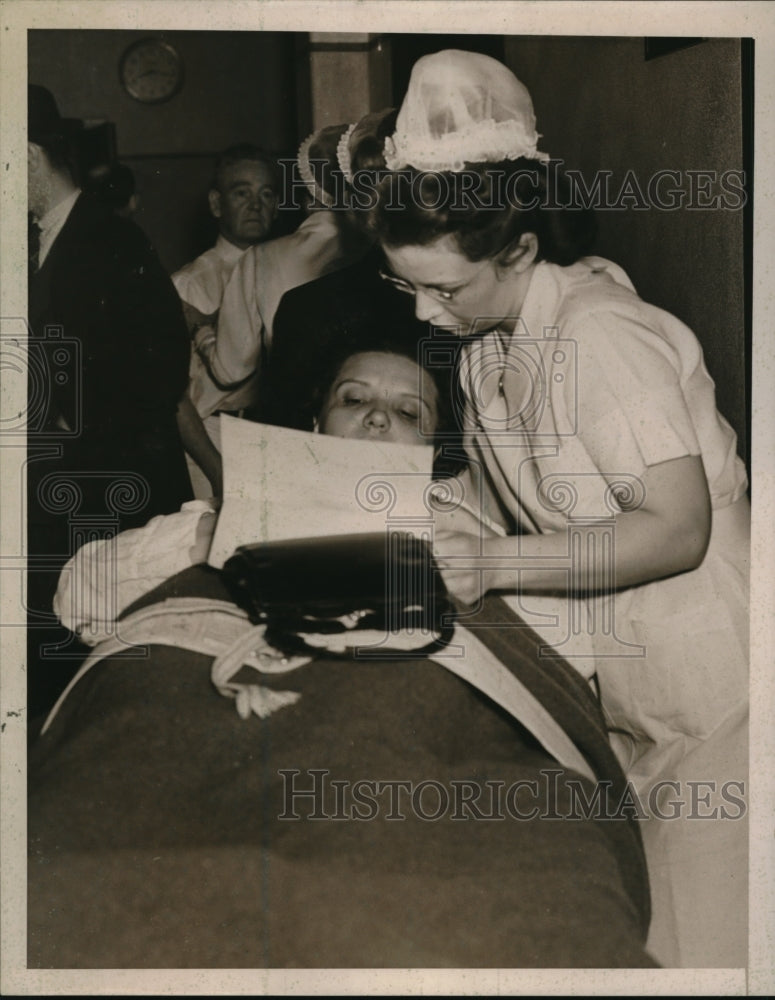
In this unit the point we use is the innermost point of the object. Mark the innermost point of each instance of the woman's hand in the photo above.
(205, 530)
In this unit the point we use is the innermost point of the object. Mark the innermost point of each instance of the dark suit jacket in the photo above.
(110, 354)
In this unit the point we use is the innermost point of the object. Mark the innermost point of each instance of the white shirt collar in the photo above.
(59, 213)
(229, 252)
(52, 222)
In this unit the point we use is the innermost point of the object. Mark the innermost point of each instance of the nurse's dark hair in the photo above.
(486, 208)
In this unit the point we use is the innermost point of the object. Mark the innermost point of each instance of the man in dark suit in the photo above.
(109, 354)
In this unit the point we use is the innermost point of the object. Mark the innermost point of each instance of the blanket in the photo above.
(391, 816)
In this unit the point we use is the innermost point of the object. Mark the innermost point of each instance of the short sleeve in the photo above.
(200, 284)
(633, 410)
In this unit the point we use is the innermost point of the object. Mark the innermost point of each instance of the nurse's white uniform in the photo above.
(562, 419)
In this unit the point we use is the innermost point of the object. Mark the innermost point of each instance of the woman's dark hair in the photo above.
(487, 208)
(351, 342)
(367, 150)
(366, 146)
(366, 333)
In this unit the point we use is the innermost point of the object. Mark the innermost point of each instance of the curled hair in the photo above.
(333, 162)
(486, 208)
(368, 144)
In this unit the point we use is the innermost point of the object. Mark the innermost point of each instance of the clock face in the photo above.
(151, 71)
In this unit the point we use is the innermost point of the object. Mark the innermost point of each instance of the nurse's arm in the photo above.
(667, 534)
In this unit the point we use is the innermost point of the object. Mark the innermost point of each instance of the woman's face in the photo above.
(452, 291)
(381, 396)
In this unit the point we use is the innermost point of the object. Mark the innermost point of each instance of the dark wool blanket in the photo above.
(391, 817)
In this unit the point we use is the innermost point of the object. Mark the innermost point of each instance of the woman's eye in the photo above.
(445, 294)
(352, 400)
(411, 415)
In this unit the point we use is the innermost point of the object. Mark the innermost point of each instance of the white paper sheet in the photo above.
(281, 483)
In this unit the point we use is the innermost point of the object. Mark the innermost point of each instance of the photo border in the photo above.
(724, 19)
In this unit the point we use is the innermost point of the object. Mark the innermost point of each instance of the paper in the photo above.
(281, 483)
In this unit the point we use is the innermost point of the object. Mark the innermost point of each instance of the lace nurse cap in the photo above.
(462, 107)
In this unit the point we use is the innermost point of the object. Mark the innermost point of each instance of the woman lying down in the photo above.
(388, 815)
(373, 391)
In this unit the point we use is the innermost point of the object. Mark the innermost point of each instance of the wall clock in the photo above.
(151, 71)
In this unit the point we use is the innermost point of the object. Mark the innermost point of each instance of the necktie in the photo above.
(33, 244)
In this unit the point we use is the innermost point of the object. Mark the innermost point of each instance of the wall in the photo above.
(238, 86)
(601, 105)
(362, 60)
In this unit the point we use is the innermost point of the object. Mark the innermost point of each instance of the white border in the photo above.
(495, 17)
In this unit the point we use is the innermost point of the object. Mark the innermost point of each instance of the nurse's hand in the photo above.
(455, 520)
(461, 558)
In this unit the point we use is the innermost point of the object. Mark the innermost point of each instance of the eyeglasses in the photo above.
(408, 288)
(440, 294)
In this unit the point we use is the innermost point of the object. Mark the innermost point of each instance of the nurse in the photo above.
(582, 403)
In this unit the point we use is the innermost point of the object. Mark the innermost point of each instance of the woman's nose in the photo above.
(426, 308)
(377, 418)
